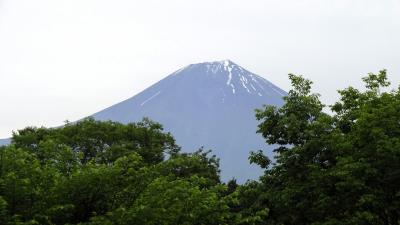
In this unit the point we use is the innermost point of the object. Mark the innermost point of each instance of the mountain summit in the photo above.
(208, 104)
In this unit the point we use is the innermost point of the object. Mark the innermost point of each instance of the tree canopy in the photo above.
(93, 172)
(336, 168)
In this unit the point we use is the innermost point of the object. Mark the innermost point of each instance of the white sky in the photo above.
(66, 59)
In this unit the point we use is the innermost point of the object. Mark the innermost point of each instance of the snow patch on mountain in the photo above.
(237, 76)
(151, 98)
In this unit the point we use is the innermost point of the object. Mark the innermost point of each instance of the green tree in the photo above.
(199, 163)
(333, 169)
(3, 211)
(25, 186)
(93, 172)
(103, 142)
(170, 201)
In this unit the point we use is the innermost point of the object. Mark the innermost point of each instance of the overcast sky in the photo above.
(66, 59)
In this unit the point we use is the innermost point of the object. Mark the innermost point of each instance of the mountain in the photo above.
(208, 104)
(5, 141)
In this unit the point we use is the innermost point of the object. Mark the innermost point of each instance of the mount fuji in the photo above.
(208, 104)
(5, 142)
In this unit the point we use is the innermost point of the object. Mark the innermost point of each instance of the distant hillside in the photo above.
(4, 142)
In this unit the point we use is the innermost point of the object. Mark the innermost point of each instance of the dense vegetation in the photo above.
(336, 168)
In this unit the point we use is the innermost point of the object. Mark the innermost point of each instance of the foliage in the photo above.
(339, 168)
(93, 172)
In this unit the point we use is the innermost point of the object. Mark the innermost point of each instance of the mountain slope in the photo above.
(5, 141)
(207, 104)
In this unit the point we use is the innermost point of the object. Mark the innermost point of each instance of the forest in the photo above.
(334, 164)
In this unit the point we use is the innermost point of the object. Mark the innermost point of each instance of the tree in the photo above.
(170, 201)
(333, 169)
(93, 172)
(103, 142)
(25, 186)
(3, 211)
(198, 163)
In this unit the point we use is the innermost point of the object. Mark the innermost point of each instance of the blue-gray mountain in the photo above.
(5, 141)
(207, 104)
